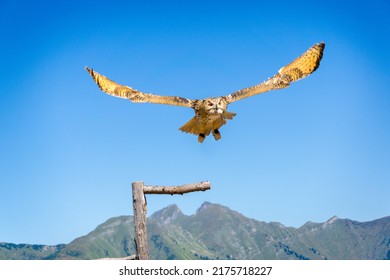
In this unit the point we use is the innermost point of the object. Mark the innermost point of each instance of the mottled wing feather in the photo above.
(300, 68)
(134, 95)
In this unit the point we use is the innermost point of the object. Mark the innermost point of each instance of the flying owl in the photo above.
(211, 113)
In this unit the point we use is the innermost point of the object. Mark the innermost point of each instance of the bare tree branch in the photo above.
(201, 186)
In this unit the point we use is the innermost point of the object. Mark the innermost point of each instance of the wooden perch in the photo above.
(202, 186)
(139, 207)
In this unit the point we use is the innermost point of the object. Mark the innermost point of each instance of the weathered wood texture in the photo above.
(202, 186)
(139, 207)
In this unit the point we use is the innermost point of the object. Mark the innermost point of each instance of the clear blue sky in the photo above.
(69, 152)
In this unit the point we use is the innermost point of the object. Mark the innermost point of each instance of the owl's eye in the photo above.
(210, 104)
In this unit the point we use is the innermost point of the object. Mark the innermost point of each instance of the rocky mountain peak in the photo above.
(205, 205)
(167, 215)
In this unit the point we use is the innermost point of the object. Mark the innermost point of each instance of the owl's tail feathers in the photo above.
(194, 127)
(191, 127)
(203, 129)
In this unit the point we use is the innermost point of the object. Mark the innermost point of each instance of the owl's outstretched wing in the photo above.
(134, 95)
(301, 67)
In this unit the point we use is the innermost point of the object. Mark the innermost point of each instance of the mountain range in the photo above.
(217, 232)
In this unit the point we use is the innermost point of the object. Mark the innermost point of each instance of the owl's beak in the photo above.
(218, 110)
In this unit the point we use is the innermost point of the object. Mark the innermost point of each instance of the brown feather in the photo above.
(300, 68)
(198, 125)
(134, 95)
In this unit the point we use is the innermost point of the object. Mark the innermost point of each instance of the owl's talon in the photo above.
(201, 137)
(216, 134)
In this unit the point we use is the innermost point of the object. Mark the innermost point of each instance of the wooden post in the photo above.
(139, 207)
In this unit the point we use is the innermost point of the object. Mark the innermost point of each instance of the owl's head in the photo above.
(215, 105)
